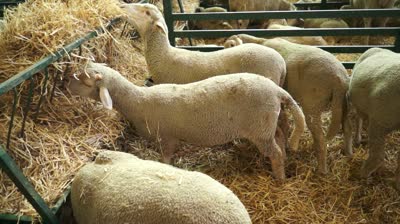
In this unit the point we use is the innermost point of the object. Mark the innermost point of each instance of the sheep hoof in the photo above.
(322, 170)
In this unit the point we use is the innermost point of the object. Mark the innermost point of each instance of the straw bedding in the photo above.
(69, 131)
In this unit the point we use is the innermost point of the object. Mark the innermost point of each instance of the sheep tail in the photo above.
(339, 108)
(298, 117)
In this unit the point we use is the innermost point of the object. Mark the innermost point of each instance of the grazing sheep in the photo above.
(368, 21)
(168, 64)
(374, 92)
(308, 40)
(120, 188)
(315, 79)
(207, 113)
(327, 23)
(263, 5)
(210, 24)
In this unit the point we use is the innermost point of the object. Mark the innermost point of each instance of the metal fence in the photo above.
(7, 164)
(386, 31)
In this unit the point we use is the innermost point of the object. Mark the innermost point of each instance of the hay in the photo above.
(69, 131)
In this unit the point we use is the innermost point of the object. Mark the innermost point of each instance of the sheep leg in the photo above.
(367, 24)
(348, 138)
(359, 123)
(271, 149)
(319, 145)
(168, 148)
(376, 155)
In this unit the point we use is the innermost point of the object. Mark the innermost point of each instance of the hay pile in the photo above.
(69, 131)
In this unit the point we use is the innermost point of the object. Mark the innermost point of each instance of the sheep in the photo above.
(368, 21)
(394, 22)
(308, 40)
(210, 112)
(263, 5)
(210, 24)
(315, 79)
(327, 23)
(120, 188)
(168, 64)
(374, 92)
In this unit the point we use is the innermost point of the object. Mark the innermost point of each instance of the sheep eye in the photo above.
(148, 13)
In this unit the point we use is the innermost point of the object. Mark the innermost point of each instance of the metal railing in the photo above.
(7, 164)
(388, 31)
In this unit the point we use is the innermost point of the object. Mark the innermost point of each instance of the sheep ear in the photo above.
(105, 98)
(161, 24)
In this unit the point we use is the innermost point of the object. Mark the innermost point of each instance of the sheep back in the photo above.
(121, 188)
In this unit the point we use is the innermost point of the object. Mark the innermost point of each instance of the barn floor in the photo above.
(70, 131)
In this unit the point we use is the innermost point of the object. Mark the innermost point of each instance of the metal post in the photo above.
(169, 21)
(323, 4)
(397, 43)
(15, 174)
(186, 23)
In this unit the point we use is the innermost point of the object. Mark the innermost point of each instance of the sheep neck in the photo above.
(157, 47)
(125, 96)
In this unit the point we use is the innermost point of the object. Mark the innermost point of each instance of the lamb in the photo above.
(210, 24)
(308, 40)
(168, 64)
(315, 79)
(374, 92)
(327, 23)
(120, 188)
(210, 112)
(263, 5)
(368, 21)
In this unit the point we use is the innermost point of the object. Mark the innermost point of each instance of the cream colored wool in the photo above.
(368, 21)
(168, 64)
(374, 92)
(206, 113)
(327, 23)
(308, 40)
(315, 79)
(263, 5)
(120, 188)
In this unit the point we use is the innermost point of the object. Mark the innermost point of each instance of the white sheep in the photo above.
(120, 188)
(327, 23)
(368, 21)
(263, 5)
(210, 24)
(374, 92)
(308, 40)
(206, 113)
(315, 79)
(168, 64)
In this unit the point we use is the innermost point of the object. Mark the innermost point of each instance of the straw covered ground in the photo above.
(69, 131)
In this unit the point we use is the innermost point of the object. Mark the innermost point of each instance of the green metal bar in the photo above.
(13, 219)
(286, 14)
(43, 63)
(390, 31)
(42, 92)
(14, 172)
(61, 201)
(331, 49)
(186, 25)
(54, 85)
(348, 65)
(169, 20)
(329, 5)
(397, 43)
(12, 118)
(27, 106)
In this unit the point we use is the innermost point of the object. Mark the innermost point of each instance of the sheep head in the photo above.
(233, 41)
(90, 84)
(144, 17)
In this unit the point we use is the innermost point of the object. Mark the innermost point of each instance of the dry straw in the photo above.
(69, 131)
